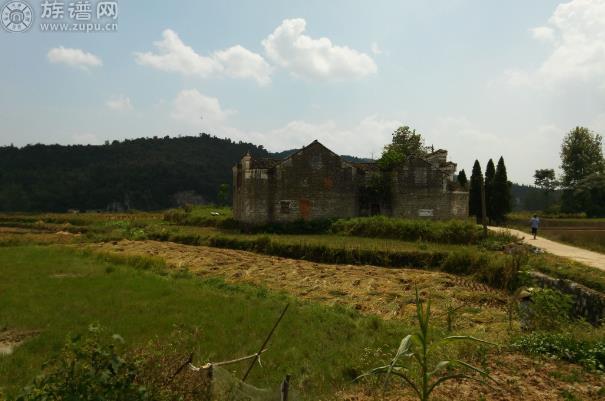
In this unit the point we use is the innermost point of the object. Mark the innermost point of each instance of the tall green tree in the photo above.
(462, 180)
(581, 156)
(589, 195)
(406, 142)
(490, 173)
(474, 200)
(546, 180)
(501, 193)
(223, 194)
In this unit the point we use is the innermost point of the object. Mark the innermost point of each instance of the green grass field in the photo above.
(61, 291)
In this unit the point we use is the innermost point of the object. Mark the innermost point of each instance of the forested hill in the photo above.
(143, 173)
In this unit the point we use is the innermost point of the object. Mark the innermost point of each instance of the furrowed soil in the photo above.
(389, 293)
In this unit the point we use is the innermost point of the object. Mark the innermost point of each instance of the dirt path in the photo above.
(589, 258)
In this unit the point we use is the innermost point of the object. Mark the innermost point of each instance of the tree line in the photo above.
(582, 181)
(144, 173)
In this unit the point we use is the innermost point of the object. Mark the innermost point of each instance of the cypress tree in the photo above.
(490, 173)
(462, 180)
(474, 200)
(501, 193)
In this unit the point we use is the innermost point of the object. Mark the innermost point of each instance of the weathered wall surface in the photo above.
(250, 193)
(418, 190)
(313, 184)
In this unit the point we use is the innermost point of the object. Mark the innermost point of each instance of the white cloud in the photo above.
(579, 50)
(175, 56)
(239, 62)
(120, 103)
(73, 57)
(576, 32)
(376, 49)
(543, 33)
(193, 108)
(312, 58)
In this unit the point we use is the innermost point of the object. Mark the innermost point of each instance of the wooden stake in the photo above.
(262, 347)
(285, 385)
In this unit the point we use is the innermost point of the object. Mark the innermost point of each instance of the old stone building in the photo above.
(315, 183)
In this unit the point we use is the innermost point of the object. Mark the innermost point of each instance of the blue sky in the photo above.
(481, 79)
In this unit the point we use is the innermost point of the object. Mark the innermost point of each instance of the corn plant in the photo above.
(451, 312)
(418, 349)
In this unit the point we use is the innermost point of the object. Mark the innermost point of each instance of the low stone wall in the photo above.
(588, 303)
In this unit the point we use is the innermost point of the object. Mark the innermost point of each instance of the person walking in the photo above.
(535, 224)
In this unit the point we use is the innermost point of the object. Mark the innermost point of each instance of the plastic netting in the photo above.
(226, 387)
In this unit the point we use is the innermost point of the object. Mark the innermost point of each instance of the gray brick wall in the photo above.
(315, 183)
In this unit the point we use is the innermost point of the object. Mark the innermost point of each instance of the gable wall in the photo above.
(314, 184)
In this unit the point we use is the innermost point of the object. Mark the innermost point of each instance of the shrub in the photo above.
(450, 232)
(464, 262)
(590, 354)
(548, 310)
(89, 368)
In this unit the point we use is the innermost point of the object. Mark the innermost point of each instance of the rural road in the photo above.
(589, 258)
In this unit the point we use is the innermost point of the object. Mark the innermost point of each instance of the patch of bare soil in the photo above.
(388, 293)
(11, 339)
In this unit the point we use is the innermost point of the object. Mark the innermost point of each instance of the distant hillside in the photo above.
(143, 173)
